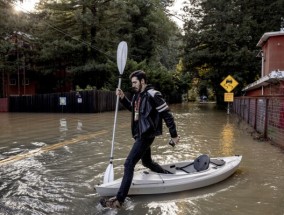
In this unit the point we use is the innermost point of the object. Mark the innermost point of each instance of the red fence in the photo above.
(265, 114)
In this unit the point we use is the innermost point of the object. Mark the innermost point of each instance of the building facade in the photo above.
(262, 105)
(272, 71)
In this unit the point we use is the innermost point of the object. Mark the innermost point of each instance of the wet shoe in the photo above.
(110, 203)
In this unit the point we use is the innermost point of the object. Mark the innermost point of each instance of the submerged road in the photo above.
(44, 149)
(49, 164)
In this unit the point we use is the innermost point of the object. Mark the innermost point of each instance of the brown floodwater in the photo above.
(49, 164)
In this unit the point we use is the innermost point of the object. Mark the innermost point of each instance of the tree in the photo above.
(150, 29)
(92, 30)
(76, 41)
(16, 54)
(78, 36)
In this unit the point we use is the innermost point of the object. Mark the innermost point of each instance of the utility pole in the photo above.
(18, 65)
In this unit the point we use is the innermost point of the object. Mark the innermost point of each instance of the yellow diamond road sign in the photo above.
(229, 83)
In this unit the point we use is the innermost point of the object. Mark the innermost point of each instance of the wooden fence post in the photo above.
(248, 110)
(255, 114)
(266, 118)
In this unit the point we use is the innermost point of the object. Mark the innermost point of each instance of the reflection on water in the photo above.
(55, 160)
(63, 125)
(63, 128)
(227, 138)
(79, 125)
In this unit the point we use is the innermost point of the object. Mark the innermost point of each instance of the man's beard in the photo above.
(137, 89)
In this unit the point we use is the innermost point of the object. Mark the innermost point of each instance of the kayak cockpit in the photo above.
(201, 163)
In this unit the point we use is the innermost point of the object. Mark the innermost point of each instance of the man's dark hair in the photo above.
(139, 74)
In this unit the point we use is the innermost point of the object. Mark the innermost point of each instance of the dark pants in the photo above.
(140, 150)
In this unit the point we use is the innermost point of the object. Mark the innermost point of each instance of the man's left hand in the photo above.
(176, 139)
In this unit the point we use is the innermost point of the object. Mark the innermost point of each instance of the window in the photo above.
(13, 81)
(26, 81)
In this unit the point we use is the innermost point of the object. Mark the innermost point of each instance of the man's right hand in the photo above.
(119, 93)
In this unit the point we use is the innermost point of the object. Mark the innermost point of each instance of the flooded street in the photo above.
(49, 164)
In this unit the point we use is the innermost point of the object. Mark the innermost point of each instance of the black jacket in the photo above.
(153, 109)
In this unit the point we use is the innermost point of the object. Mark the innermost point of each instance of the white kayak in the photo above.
(186, 175)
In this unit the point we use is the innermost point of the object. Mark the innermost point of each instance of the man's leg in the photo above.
(149, 163)
(136, 153)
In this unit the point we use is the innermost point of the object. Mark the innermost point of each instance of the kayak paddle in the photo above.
(121, 62)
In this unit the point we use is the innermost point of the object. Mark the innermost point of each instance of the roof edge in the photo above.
(267, 35)
(265, 80)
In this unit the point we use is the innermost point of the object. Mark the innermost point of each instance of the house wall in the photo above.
(256, 92)
(269, 90)
(27, 90)
(273, 54)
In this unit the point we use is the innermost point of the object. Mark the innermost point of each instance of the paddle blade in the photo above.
(109, 175)
(122, 50)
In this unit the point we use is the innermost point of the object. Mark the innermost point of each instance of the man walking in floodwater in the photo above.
(148, 109)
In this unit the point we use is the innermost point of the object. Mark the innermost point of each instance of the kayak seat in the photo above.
(201, 163)
(217, 162)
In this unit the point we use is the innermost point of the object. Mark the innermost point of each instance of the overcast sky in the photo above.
(178, 11)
